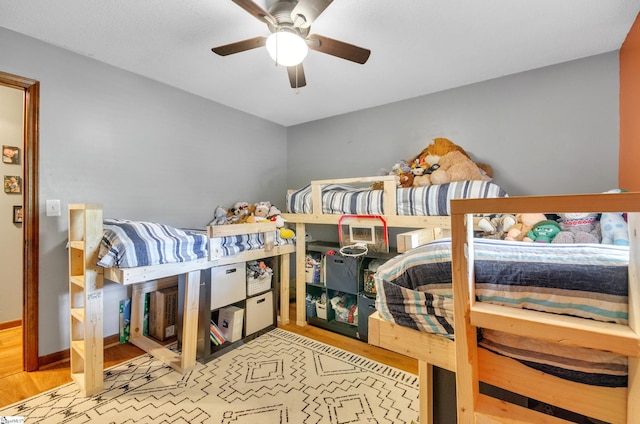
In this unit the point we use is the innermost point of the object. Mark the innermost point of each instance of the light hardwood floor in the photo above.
(17, 385)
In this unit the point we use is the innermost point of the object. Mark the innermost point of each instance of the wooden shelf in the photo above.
(85, 298)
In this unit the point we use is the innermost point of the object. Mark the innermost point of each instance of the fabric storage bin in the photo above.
(259, 313)
(311, 309)
(258, 285)
(228, 284)
(366, 306)
(342, 273)
(230, 322)
(321, 310)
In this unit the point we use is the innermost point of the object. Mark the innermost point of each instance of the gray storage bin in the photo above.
(343, 273)
(366, 306)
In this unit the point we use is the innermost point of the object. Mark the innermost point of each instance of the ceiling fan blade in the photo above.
(306, 11)
(338, 48)
(240, 46)
(256, 11)
(296, 76)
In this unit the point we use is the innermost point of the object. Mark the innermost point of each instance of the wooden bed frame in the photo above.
(615, 405)
(150, 278)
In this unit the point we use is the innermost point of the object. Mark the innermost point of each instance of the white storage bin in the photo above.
(230, 322)
(228, 284)
(258, 285)
(259, 313)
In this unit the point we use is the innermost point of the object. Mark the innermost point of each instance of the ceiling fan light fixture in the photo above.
(287, 48)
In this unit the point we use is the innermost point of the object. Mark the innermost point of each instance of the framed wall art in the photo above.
(12, 184)
(17, 214)
(11, 154)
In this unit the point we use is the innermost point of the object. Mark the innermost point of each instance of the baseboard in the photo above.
(63, 356)
(10, 324)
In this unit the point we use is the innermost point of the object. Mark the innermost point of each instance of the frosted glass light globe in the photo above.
(286, 48)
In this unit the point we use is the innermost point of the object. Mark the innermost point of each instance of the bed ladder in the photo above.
(85, 298)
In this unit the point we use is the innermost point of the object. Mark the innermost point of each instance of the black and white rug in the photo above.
(279, 377)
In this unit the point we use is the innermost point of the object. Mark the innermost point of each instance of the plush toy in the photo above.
(578, 228)
(497, 226)
(544, 231)
(406, 180)
(439, 147)
(455, 166)
(615, 230)
(524, 223)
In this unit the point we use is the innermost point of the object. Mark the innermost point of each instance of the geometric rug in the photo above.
(278, 378)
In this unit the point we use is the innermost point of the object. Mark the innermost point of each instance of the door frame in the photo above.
(30, 223)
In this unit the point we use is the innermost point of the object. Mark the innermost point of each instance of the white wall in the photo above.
(142, 149)
(11, 134)
(547, 131)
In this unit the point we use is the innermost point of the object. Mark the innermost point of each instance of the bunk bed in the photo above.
(149, 256)
(596, 284)
(425, 210)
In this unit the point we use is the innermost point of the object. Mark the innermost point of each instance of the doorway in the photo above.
(31, 225)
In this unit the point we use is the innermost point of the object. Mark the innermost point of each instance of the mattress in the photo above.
(129, 244)
(588, 281)
(415, 201)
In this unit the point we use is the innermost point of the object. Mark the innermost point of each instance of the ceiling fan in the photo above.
(289, 21)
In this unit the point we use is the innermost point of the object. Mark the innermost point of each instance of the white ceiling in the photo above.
(418, 46)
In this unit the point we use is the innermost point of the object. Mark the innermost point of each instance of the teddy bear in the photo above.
(524, 223)
(580, 227)
(455, 166)
(439, 147)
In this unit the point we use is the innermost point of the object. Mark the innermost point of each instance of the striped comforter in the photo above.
(416, 201)
(589, 281)
(129, 244)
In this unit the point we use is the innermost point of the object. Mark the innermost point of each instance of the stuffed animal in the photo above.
(577, 228)
(544, 231)
(497, 226)
(615, 230)
(455, 166)
(524, 223)
(439, 147)
(406, 180)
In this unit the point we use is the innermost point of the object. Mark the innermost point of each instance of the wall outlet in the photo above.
(53, 208)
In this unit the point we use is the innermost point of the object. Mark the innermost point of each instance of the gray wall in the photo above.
(142, 149)
(548, 131)
(11, 134)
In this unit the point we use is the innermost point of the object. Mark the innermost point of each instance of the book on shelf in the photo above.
(216, 334)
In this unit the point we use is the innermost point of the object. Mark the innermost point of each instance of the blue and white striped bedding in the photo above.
(416, 201)
(590, 281)
(232, 245)
(129, 244)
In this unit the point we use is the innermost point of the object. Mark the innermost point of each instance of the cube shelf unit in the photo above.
(226, 285)
(85, 298)
(344, 275)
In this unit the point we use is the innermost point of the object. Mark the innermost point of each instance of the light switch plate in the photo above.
(53, 207)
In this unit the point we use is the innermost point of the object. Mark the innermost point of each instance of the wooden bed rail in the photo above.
(388, 198)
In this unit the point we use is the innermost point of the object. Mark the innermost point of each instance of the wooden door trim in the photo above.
(31, 223)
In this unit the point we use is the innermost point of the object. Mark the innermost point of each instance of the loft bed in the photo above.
(148, 256)
(423, 208)
(419, 323)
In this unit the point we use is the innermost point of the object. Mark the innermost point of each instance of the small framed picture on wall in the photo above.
(12, 184)
(17, 214)
(11, 154)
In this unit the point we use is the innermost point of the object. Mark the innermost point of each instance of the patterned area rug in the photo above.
(279, 377)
